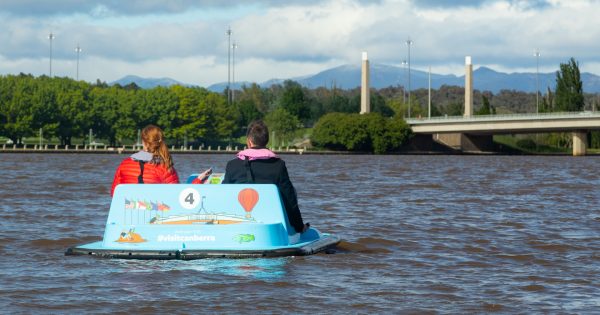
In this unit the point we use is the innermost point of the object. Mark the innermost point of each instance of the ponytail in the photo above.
(154, 138)
(165, 156)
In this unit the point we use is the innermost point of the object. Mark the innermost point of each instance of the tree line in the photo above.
(66, 109)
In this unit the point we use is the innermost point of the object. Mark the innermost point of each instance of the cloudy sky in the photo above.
(186, 39)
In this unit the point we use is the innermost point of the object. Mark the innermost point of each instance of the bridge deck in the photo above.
(503, 124)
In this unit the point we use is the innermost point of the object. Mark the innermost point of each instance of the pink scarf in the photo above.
(256, 154)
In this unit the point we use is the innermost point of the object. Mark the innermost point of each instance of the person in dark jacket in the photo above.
(259, 165)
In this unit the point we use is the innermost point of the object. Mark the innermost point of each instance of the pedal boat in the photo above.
(185, 221)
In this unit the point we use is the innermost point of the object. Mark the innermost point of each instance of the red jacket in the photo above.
(129, 170)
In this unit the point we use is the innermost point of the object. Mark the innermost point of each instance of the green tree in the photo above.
(355, 132)
(547, 102)
(397, 132)
(486, 108)
(379, 105)
(193, 113)
(384, 134)
(44, 110)
(113, 112)
(223, 116)
(247, 112)
(455, 109)
(253, 94)
(163, 103)
(15, 107)
(328, 132)
(416, 110)
(398, 106)
(74, 113)
(376, 126)
(294, 100)
(569, 88)
(594, 139)
(283, 125)
(435, 111)
(341, 103)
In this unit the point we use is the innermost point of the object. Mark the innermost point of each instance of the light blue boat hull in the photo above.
(200, 221)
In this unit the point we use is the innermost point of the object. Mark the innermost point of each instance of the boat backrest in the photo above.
(192, 216)
(153, 204)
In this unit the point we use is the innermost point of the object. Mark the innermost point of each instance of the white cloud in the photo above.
(289, 40)
(296, 33)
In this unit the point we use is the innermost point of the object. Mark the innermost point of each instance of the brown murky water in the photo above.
(422, 234)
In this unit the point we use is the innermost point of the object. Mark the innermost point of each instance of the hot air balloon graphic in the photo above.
(248, 198)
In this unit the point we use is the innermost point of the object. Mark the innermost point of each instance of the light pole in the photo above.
(51, 37)
(229, 65)
(429, 98)
(536, 54)
(409, 43)
(233, 47)
(78, 50)
(404, 64)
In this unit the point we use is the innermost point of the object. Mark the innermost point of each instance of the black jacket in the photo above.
(267, 171)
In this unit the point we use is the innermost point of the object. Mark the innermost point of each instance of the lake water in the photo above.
(421, 234)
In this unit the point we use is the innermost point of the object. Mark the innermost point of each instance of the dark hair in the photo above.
(258, 133)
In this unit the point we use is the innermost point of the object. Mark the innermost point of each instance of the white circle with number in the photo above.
(189, 198)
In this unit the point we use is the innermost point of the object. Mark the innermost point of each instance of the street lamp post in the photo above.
(51, 37)
(537, 80)
(429, 94)
(229, 65)
(78, 50)
(404, 64)
(233, 47)
(409, 43)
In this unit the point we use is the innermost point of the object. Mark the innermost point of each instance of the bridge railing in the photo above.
(528, 116)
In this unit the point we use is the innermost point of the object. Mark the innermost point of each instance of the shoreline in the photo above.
(55, 149)
(104, 149)
(280, 151)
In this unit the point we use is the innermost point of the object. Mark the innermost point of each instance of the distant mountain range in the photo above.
(348, 77)
(146, 83)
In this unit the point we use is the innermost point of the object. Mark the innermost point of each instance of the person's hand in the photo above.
(204, 175)
(306, 227)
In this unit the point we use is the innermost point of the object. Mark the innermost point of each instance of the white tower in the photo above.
(365, 100)
(468, 87)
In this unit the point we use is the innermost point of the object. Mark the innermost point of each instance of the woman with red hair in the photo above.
(152, 165)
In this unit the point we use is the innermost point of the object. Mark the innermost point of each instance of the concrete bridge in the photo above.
(474, 133)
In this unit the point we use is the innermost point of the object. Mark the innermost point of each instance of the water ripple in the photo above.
(422, 235)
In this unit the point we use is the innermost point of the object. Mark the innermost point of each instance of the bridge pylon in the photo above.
(579, 143)
(468, 87)
(365, 99)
